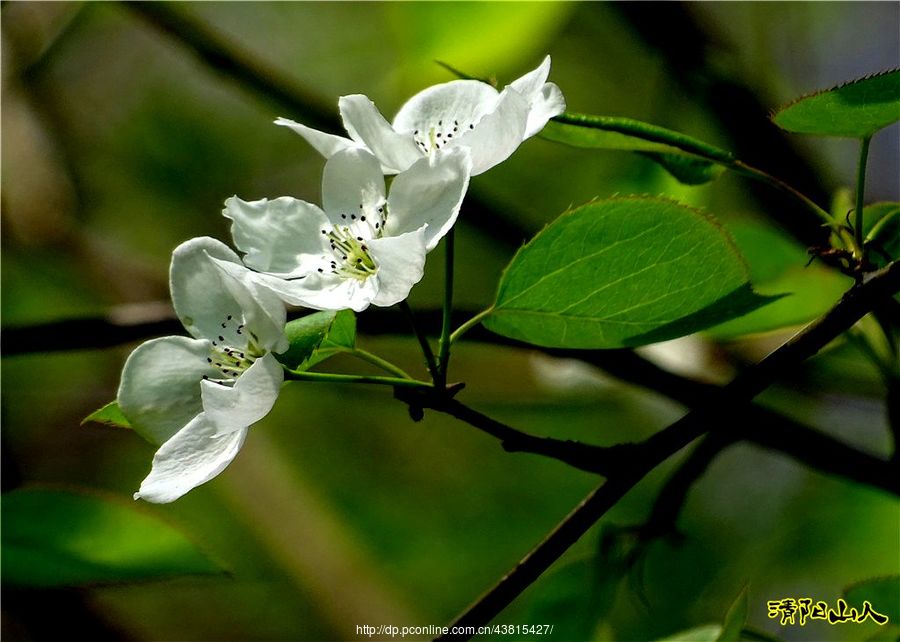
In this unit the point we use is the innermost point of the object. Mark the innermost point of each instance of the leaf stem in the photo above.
(423, 341)
(748, 170)
(468, 325)
(860, 195)
(444, 344)
(327, 377)
(375, 360)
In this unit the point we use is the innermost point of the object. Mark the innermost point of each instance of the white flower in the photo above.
(198, 396)
(365, 247)
(466, 113)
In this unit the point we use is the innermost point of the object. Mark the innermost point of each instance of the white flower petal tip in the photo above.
(190, 458)
(459, 113)
(324, 143)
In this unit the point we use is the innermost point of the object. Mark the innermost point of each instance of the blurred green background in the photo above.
(119, 143)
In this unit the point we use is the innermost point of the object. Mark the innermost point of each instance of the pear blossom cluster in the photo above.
(197, 396)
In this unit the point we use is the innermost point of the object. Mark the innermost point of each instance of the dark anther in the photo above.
(224, 325)
(438, 135)
(221, 338)
(215, 344)
(205, 378)
(208, 360)
(324, 232)
(440, 122)
(228, 318)
(362, 218)
(353, 216)
(376, 226)
(359, 238)
(320, 269)
(359, 260)
(471, 126)
(343, 216)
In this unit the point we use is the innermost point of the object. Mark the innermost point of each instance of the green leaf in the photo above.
(705, 633)
(318, 336)
(685, 158)
(883, 593)
(882, 228)
(110, 414)
(609, 132)
(622, 272)
(857, 109)
(734, 620)
(778, 266)
(690, 170)
(63, 538)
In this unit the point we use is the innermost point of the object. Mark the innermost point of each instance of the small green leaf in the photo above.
(609, 132)
(883, 593)
(110, 414)
(705, 633)
(685, 158)
(778, 266)
(882, 228)
(622, 272)
(63, 538)
(734, 620)
(318, 336)
(857, 109)
(689, 170)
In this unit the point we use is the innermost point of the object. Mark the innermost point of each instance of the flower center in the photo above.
(350, 256)
(432, 137)
(229, 360)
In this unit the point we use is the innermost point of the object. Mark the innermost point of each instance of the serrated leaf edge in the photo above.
(773, 113)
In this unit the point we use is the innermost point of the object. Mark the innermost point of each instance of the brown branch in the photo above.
(853, 306)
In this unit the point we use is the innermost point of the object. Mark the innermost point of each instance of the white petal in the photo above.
(160, 388)
(275, 234)
(325, 144)
(263, 314)
(340, 293)
(198, 294)
(250, 399)
(529, 85)
(366, 125)
(352, 186)
(227, 311)
(429, 193)
(458, 103)
(191, 457)
(499, 133)
(548, 103)
(401, 264)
